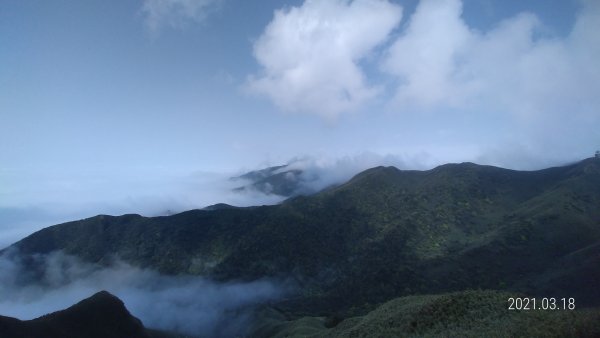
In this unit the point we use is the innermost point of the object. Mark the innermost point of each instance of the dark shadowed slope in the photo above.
(102, 315)
(385, 233)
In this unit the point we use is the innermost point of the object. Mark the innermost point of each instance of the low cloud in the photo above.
(186, 304)
(40, 200)
(310, 54)
(318, 173)
(43, 199)
(176, 13)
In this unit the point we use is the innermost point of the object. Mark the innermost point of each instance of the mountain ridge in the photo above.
(386, 233)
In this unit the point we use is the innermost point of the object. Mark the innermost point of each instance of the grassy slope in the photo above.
(460, 314)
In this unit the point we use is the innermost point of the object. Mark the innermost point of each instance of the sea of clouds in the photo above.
(190, 305)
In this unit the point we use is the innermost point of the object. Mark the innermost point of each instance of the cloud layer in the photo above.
(185, 304)
(42, 199)
(310, 54)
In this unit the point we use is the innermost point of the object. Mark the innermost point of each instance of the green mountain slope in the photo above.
(460, 314)
(386, 233)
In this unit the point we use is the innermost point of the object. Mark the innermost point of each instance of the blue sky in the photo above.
(133, 106)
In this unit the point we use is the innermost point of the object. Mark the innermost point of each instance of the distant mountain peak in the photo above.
(219, 206)
(278, 180)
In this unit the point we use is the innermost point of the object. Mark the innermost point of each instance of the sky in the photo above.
(150, 105)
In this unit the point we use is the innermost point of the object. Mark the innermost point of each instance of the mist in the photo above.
(42, 199)
(57, 197)
(190, 305)
(318, 173)
(47, 198)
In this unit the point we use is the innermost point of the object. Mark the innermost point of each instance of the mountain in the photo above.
(102, 315)
(386, 233)
(278, 180)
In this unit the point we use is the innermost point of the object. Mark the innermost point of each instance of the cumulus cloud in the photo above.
(310, 54)
(425, 55)
(536, 85)
(190, 305)
(176, 13)
(516, 67)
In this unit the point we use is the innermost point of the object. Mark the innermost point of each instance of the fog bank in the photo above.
(186, 304)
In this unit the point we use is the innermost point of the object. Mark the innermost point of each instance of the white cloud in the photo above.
(310, 54)
(441, 62)
(176, 13)
(425, 55)
(191, 305)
